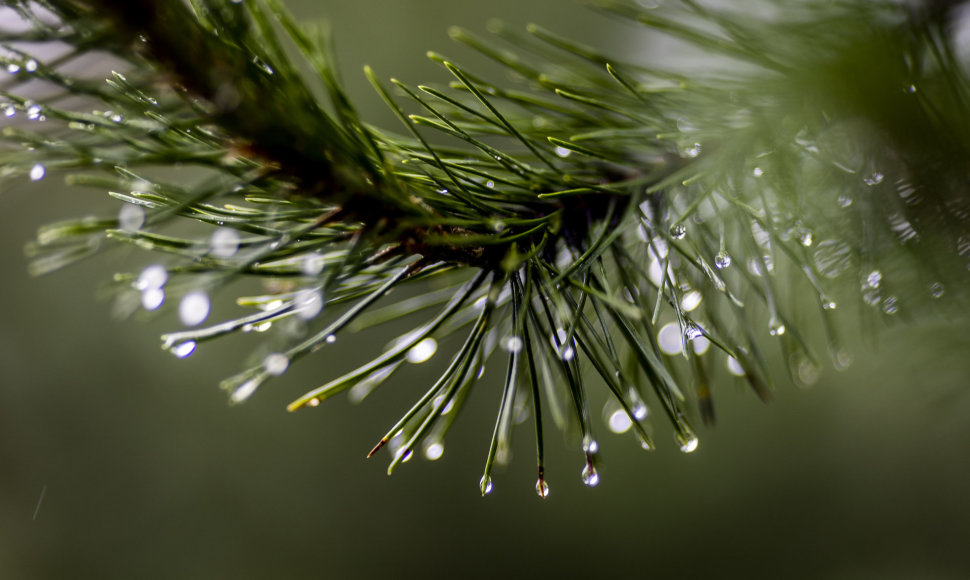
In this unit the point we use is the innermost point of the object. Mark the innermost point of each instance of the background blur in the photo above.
(147, 472)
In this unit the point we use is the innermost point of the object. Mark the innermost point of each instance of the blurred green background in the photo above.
(146, 472)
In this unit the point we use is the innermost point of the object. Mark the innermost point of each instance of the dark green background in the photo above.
(150, 474)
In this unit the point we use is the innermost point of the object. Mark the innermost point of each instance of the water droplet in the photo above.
(841, 359)
(276, 363)
(131, 217)
(184, 349)
(116, 118)
(722, 260)
(8, 110)
(244, 391)
(755, 266)
(331, 338)
(262, 65)
(34, 112)
(691, 151)
(262, 326)
(807, 372)
(224, 243)
(542, 488)
(890, 305)
(640, 411)
(590, 446)
(486, 485)
(805, 237)
(734, 367)
(776, 327)
(37, 172)
(646, 445)
(308, 303)
(312, 264)
(434, 450)
(490, 184)
(758, 172)
(690, 301)
(844, 200)
(873, 279)
(832, 258)
(513, 344)
(566, 351)
(678, 231)
(194, 308)
(152, 298)
(31, 65)
(828, 303)
(871, 296)
(422, 351)
(936, 289)
(670, 339)
(873, 179)
(687, 440)
(590, 477)
(701, 345)
(314, 402)
(563, 152)
(153, 276)
(13, 68)
(619, 421)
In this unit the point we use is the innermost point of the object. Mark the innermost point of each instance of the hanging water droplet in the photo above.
(276, 363)
(874, 279)
(619, 421)
(936, 289)
(31, 65)
(563, 152)
(330, 338)
(224, 243)
(701, 345)
(308, 303)
(678, 231)
(153, 276)
(262, 65)
(244, 391)
(152, 298)
(314, 402)
(312, 264)
(13, 68)
(806, 371)
(434, 450)
(691, 151)
(640, 411)
(485, 485)
(8, 110)
(490, 184)
(590, 477)
(776, 327)
(890, 305)
(422, 351)
(184, 349)
(687, 440)
(828, 303)
(690, 301)
(757, 172)
(116, 118)
(34, 112)
(590, 446)
(805, 237)
(669, 339)
(262, 326)
(513, 344)
(131, 217)
(873, 179)
(734, 367)
(37, 172)
(194, 308)
(841, 359)
(645, 445)
(722, 260)
(566, 351)
(542, 488)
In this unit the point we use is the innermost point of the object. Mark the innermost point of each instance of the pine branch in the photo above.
(605, 221)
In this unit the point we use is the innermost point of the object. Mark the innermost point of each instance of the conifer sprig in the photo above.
(601, 222)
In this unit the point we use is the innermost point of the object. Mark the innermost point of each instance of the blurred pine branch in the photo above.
(592, 221)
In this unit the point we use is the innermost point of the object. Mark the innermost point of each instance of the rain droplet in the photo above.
(669, 339)
(678, 231)
(640, 411)
(590, 477)
(690, 301)
(194, 308)
(566, 351)
(312, 264)
(828, 303)
(874, 279)
(8, 110)
(37, 172)
(542, 488)
(34, 112)
(936, 289)
(512, 344)
(758, 172)
(687, 440)
(806, 371)
(153, 276)
(734, 367)
(619, 421)
(262, 65)
(422, 351)
(691, 151)
(563, 152)
(722, 260)
(131, 217)
(314, 402)
(224, 243)
(308, 303)
(13, 68)
(890, 305)
(486, 485)
(330, 338)
(776, 327)
(844, 200)
(434, 450)
(152, 298)
(276, 363)
(244, 391)
(701, 345)
(30, 65)
(490, 184)
(873, 179)
(590, 446)
(184, 349)
(832, 257)
(805, 237)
